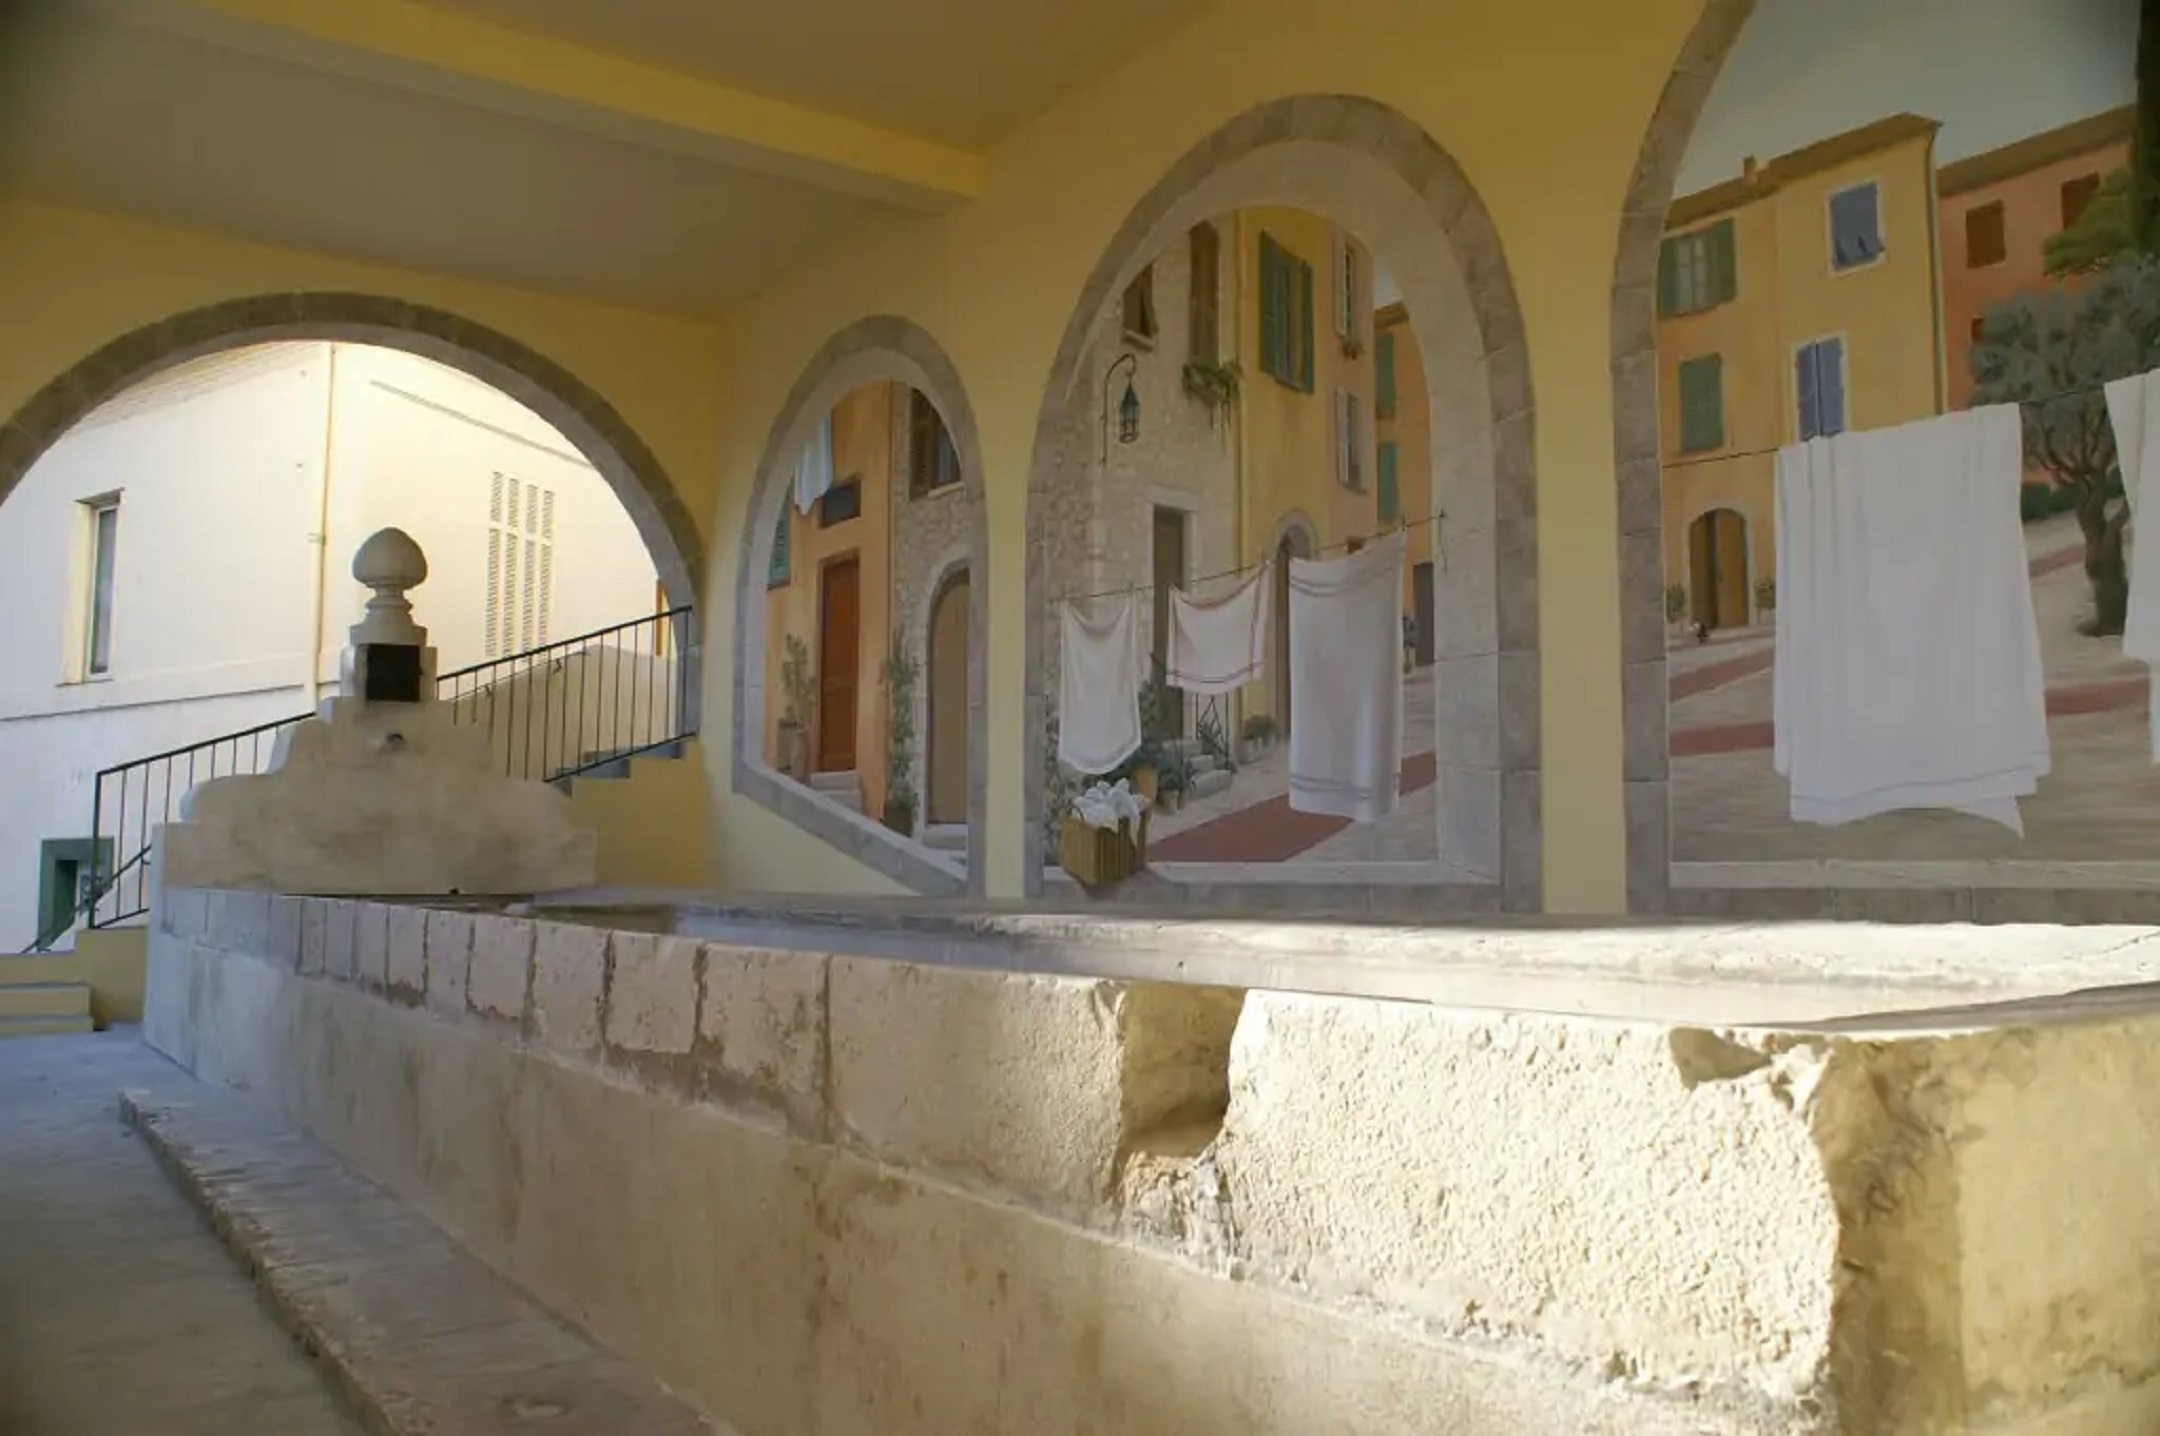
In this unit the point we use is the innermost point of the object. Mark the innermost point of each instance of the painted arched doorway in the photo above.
(1295, 542)
(946, 744)
(1718, 570)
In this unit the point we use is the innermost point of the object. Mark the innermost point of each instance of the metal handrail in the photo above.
(85, 905)
(597, 717)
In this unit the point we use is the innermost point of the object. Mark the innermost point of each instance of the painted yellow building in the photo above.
(1308, 481)
(1801, 298)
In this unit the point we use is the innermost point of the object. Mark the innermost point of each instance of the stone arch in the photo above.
(882, 348)
(574, 408)
(1647, 765)
(1374, 171)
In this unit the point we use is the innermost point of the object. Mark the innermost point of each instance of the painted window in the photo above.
(1390, 483)
(1702, 404)
(1384, 375)
(842, 502)
(1347, 286)
(1286, 316)
(1140, 307)
(2077, 195)
(1986, 241)
(780, 568)
(1349, 440)
(1698, 271)
(933, 462)
(520, 567)
(104, 522)
(1205, 296)
(1820, 380)
(1855, 227)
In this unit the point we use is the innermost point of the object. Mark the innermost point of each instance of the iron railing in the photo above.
(551, 713)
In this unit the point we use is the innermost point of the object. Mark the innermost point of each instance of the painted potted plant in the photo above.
(1214, 382)
(1257, 735)
(1766, 598)
(1676, 605)
(899, 675)
(798, 687)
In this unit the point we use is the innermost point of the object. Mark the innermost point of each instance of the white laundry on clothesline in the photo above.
(1346, 682)
(1219, 645)
(2134, 409)
(1907, 669)
(1098, 682)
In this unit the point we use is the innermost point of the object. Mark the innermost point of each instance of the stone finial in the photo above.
(389, 563)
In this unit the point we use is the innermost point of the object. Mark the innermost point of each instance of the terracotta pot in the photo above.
(1144, 781)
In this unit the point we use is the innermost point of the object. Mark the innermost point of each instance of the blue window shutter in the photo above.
(1390, 491)
(1810, 397)
(1830, 399)
(1384, 374)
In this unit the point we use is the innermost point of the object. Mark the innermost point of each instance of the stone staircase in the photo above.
(615, 765)
(33, 1004)
(842, 788)
(1209, 774)
(947, 839)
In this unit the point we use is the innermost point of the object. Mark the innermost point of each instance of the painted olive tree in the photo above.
(2051, 351)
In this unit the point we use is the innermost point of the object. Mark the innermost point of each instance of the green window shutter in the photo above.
(780, 569)
(1384, 375)
(1272, 311)
(1724, 264)
(1390, 493)
(1702, 404)
(1668, 277)
(1304, 328)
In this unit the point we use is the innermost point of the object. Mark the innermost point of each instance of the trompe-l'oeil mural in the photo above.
(1907, 624)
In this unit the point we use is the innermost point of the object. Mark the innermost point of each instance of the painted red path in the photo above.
(1269, 832)
(2067, 702)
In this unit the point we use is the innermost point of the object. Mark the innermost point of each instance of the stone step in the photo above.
(844, 788)
(45, 999)
(1208, 782)
(946, 837)
(45, 1026)
(614, 763)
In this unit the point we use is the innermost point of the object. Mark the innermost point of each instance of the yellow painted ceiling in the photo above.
(966, 72)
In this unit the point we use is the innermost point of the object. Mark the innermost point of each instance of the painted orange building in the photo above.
(1800, 298)
(2000, 208)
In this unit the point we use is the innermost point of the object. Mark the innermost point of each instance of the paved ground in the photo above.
(1729, 804)
(120, 1314)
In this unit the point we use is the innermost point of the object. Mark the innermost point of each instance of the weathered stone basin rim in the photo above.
(1873, 978)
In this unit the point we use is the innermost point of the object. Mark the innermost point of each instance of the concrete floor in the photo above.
(120, 1314)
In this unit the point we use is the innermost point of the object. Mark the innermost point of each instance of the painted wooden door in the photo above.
(1170, 573)
(948, 690)
(839, 655)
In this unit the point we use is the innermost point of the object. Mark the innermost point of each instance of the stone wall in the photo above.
(826, 1194)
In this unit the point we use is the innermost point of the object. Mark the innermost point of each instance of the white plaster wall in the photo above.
(218, 464)
(416, 447)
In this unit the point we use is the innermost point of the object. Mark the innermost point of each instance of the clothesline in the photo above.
(1723, 455)
(1343, 547)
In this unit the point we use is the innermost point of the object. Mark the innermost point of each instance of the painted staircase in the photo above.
(35, 1003)
(842, 788)
(1210, 775)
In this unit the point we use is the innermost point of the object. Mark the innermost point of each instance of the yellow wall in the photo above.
(1547, 128)
(1787, 296)
(862, 448)
(1548, 131)
(653, 824)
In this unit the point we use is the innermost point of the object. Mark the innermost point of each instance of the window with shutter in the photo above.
(1205, 295)
(1702, 404)
(1384, 375)
(1390, 497)
(842, 503)
(933, 461)
(1140, 307)
(1855, 227)
(2077, 196)
(1699, 270)
(1346, 287)
(779, 568)
(1349, 440)
(1820, 382)
(1986, 242)
(1286, 316)
(520, 609)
